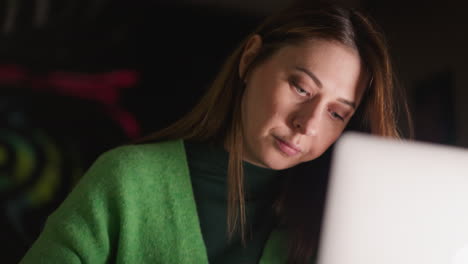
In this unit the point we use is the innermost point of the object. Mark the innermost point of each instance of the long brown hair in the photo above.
(217, 116)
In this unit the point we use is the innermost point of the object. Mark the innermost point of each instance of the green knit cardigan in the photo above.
(134, 205)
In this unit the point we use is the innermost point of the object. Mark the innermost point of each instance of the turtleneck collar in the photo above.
(212, 161)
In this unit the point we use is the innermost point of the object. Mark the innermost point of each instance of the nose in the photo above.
(305, 121)
(305, 127)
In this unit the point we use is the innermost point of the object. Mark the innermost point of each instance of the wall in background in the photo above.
(80, 77)
(429, 39)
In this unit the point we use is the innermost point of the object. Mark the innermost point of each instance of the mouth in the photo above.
(286, 147)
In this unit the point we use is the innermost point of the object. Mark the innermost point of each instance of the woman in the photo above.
(225, 184)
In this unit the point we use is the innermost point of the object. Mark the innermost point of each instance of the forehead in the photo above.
(338, 67)
(317, 52)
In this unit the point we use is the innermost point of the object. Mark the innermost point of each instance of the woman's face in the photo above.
(298, 101)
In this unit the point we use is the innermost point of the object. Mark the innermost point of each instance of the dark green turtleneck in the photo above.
(208, 169)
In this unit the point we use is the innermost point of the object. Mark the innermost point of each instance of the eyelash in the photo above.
(335, 115)
(300, 90)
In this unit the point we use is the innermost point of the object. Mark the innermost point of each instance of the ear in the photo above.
(251, 50)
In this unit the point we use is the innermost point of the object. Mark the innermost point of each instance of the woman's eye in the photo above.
(301, 91)
(335, 115)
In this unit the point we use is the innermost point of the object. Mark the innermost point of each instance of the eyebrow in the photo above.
(311, 75)
(319, 84)
(346, 102)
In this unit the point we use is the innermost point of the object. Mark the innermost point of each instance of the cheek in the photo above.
(262, 111)
(327, 137)
(254, 119)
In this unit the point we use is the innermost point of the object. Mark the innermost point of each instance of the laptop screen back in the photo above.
(395, 202)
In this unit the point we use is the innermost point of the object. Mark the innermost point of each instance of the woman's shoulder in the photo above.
(142, 153)
(141, 160)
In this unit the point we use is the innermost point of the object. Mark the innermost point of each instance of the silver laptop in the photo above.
(395, 202)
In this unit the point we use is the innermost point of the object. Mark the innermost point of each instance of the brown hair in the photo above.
(217, 117)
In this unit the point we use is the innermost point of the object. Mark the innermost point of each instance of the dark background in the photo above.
(78, 77)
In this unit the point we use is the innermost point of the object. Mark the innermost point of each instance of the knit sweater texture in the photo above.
(134, 205)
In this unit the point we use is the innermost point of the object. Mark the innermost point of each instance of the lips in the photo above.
(286, 147)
